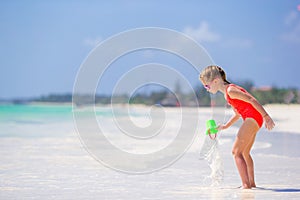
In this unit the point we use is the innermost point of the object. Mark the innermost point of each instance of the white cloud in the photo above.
(293, 35)
(202, 33)
(92, 42)
(290, 18)
(238, 43)
(292, 22)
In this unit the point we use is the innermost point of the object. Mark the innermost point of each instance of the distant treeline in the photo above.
(199, 97)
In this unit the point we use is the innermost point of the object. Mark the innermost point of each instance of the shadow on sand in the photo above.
(279, 189)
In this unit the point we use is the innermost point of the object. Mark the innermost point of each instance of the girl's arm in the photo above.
(231, 121)
(235, 93)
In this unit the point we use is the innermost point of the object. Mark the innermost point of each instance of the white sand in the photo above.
(286, 117)
(58, 167)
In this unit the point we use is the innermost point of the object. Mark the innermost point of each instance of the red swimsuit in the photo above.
(246, 110)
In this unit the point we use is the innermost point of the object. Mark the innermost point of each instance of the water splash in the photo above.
(211, 153)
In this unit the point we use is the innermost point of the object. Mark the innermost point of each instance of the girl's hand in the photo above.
(269, 123)
(221, 127)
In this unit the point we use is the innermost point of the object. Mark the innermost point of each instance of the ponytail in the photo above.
(223, 75)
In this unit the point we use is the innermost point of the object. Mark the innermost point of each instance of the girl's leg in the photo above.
(243, 143)
(249, 161)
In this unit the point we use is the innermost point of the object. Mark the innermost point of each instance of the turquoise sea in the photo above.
(28, 120)
(42, 112)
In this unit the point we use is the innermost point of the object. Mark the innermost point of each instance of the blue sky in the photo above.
(43, 43)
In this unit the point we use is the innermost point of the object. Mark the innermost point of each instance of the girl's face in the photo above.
(211, 86)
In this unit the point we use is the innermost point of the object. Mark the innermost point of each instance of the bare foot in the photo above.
(245, 186)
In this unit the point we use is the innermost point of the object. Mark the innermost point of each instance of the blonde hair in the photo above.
(211, 72)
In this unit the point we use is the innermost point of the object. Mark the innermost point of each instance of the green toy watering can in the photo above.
(211, 127)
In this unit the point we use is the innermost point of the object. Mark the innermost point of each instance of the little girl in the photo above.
(246, 106)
